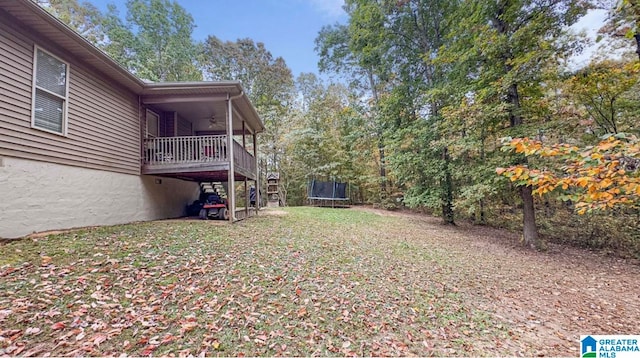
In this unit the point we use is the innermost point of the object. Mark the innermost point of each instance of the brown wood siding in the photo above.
(103, 124)
(184, 127)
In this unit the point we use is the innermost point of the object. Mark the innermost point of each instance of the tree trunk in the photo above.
(479, 217)
(447, 190)
(383, 166)
(530, 232)
(637, 37)
(513, 98)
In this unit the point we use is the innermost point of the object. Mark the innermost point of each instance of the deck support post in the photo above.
(257, 173)
(231, 177)
(246, 188)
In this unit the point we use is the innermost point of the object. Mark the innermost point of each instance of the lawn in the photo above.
(301, 282)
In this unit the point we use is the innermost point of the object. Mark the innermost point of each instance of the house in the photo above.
(84, 142)
(588, 345)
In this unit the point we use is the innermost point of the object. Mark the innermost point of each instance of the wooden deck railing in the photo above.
(194, 149)
(242, 158)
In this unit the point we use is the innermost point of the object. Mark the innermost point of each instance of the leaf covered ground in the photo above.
(306, 281)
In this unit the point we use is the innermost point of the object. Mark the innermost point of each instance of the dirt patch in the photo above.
(273, 212)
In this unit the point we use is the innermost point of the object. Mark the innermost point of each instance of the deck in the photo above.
(197, 158)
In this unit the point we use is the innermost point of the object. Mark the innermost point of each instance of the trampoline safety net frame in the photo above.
(323, 192)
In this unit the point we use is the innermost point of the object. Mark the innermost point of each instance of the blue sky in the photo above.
(288, 28)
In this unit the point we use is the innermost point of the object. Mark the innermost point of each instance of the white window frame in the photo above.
(35, 87)
(146, 119)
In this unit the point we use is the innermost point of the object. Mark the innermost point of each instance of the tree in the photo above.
(354, 50)
(83, 17)
(267, 81)
(501, 48)
(623, 20)
(418, 30)
(607, 90)
(155, 41)
(324, 140)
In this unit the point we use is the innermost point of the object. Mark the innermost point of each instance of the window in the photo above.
(153, 124)
(50, 93)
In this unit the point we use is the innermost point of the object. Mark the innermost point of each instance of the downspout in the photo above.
(230, 157)
(142, 151)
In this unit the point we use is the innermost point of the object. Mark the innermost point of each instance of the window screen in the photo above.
(50, 93)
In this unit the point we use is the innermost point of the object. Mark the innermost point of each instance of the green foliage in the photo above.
(325, 140)
(155, 41)
(83, 17)
(267, 80)
(607, 90)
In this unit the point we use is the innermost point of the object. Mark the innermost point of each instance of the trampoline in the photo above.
(327, 193)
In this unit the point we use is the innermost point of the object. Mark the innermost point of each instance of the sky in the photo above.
(288, 28)
(590, 24)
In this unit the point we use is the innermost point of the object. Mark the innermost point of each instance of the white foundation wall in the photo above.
(39, 196)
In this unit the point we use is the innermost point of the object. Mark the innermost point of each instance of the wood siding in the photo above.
(103, 123)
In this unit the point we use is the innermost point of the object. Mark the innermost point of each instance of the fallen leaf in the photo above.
(8, 271)
(302, 312)
(4, 314)
(168, 338)
(80, 336)
(46, 260)
(58, 325)
(99, 338)
(32, 330)
(262, 337)
(188, 327)
(16, 349)
(148, 350)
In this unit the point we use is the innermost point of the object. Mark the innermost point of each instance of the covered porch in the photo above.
(196, 154)
(202, 132)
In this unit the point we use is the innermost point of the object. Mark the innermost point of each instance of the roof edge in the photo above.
(159, 86)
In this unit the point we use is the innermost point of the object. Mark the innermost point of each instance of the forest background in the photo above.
(466, 109)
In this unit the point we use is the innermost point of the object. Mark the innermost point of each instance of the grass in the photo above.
(311, 282)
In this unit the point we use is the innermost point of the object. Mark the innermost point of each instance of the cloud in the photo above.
(329, 8)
